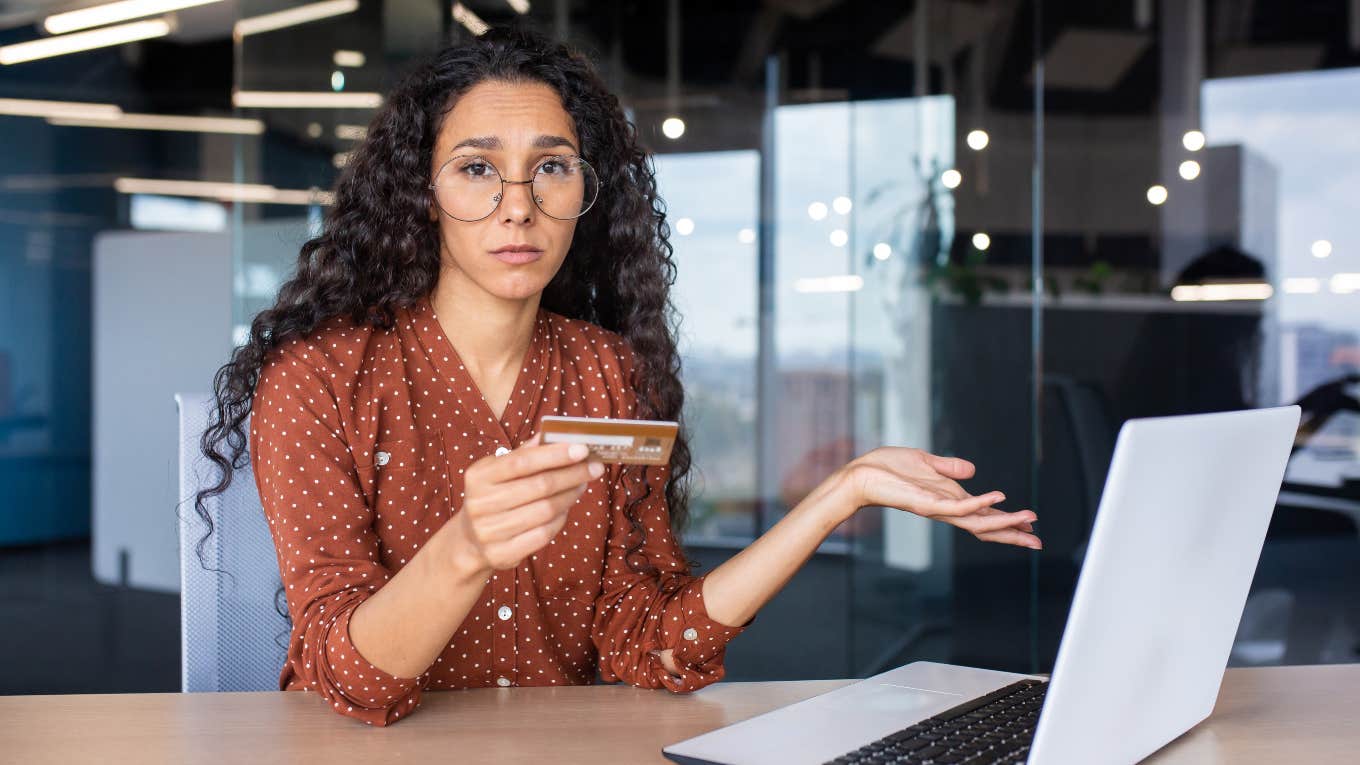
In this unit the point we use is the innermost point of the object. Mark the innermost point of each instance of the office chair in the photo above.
(232, 637)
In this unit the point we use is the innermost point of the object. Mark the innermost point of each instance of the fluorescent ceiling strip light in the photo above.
(22, 107)
(302, 197)
(519, 6)
(226, 192)
(350, 58)
(351, 132)
(82, 41)
(228, 125)
(293, 16)
(847, 283)
(282, 99)
(463, 15)
(1302, 285)
(1192, 293)
(112, 13)
(1344, 284)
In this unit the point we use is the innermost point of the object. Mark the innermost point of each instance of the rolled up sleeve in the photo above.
(655, 603)
(328, 549)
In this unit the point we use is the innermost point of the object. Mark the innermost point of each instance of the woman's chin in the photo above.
(518, 286)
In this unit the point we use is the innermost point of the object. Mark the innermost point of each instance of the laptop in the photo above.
(1172, 554)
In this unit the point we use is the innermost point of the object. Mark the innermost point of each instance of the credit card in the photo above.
(630, 442)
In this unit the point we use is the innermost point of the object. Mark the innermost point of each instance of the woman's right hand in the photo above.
(514, 504)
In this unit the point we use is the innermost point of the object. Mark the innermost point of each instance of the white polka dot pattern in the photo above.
(359, 439)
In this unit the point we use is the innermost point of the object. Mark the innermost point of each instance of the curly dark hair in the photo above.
(378, 250)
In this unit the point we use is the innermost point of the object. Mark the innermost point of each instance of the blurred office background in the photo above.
(989, 228)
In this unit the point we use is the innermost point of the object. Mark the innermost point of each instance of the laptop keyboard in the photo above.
(995, 729)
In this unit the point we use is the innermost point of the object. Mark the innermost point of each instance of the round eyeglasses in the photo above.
(469, 188)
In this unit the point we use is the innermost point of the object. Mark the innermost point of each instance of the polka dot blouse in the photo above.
(359, 439)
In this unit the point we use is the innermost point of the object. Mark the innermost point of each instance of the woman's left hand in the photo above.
(927, 485)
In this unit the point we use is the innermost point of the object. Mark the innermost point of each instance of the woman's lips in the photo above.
(517, 257)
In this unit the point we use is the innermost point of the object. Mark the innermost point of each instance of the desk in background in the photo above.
(1266, 715)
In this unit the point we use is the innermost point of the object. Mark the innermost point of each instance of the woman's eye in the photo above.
(477, 169)
(552, 167)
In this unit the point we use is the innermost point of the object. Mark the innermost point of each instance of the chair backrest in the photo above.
(232, 637)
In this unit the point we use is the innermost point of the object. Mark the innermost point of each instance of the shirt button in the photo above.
(382, 458)
(503, 682)
(690, 634)
(505, 613)
(501, 450)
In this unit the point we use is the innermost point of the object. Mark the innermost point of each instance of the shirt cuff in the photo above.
(696, 638)
(358, 680)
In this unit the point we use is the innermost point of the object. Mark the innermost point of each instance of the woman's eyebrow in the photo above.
(553, 142)
(492, 143)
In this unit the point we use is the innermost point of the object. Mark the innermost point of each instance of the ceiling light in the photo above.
(228, 125)
(350, 58)
(23, 107)
(227, 192)
(83, 41)
(112, 13)
(673, 127)
(1221, 292)
(1302, 285)
(1344, 284)
(351, 132)
(471, 21)
(292, 17)
(283, 99)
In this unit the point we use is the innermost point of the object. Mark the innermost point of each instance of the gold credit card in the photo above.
(631, 442)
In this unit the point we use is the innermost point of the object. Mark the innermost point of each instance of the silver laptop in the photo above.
(1171, 557)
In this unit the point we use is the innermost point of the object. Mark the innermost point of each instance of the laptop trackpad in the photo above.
(904, 702)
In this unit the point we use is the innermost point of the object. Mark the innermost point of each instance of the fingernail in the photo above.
(597, 469)
(577, 451)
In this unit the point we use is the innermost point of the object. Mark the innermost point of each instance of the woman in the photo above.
(497, 252)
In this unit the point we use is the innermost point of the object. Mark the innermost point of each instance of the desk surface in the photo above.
(1284, 714)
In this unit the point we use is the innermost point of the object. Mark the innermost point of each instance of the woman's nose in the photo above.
(517, 206)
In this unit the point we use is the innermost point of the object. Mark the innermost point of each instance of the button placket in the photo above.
(505, 638)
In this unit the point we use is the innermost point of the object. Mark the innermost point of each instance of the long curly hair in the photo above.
(378, 250)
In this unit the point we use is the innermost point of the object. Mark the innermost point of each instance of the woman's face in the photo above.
(515, 128)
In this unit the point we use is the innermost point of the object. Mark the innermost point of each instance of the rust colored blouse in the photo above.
(359, 438)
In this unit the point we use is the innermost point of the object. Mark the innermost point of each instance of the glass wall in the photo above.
(996, 230)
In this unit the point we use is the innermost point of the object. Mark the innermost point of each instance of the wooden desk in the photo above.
(1289, 714)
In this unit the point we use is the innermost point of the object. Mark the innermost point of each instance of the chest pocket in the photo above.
(406, 477)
